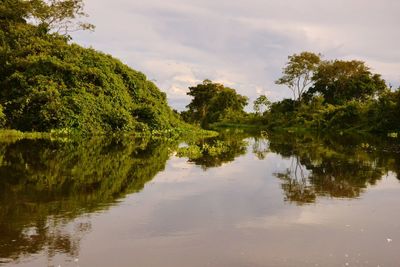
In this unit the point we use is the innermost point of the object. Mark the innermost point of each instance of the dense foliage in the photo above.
(340, 81)
(213, 102)
(328, 96)
(47, 83)
(341, 96)
(261, 104)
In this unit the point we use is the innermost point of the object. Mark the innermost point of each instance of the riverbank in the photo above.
(179, 133)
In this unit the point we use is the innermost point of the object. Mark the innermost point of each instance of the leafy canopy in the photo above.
(261, 104)
(298, 73)
(212, 102)
(340, 81)
(48, 84)
(56, 15)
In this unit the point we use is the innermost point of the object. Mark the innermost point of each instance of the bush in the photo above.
(47, 83)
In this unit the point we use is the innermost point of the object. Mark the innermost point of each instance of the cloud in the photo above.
(243, 44)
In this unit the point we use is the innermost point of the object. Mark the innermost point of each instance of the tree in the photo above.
(226, 105)
(213, 101)
(298, 73)
(48, 84)
(54, 15)
(261, 104)
(202, 94)
(340, 81)
(13, 11)
(60, 15)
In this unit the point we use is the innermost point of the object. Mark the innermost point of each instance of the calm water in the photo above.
(236, 201)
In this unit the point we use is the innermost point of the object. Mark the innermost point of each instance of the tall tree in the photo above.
(298, 73)
(339, 81)
(202, 94)
(211, 101)
(261, 104)
(60, 16)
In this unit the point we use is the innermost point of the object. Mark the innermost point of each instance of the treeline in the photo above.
(328, 95)
(334, 95)
(49, 84)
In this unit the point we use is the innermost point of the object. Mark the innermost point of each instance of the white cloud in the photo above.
(243, 44)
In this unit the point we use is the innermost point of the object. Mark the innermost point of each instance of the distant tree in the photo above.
(212, 101)
(284, 106)
(339, 81)
(261, 104)
(298, 73)
(202, 94)
(226, 104)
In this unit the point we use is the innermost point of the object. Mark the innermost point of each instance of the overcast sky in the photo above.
(241, 43)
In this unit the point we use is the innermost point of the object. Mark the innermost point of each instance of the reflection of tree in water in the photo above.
(295, 183)
(328, 167)
(214, 152)
(45, 185)
(260, 147)
(50, 235)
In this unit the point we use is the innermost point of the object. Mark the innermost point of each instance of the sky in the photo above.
(243, 44)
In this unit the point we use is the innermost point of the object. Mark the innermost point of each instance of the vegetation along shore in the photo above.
(51, 85)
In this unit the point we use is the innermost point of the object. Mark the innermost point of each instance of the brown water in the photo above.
(238, 201)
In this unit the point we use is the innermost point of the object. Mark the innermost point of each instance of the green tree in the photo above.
(298, 73)
(47, 84)
(211, 102)
(202, 94)
(13, 11)
(60, 16)
(261, 104)
(340, 81)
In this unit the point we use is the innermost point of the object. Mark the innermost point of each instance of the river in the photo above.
(235, 200)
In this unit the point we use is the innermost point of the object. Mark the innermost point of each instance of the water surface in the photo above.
(238, 200)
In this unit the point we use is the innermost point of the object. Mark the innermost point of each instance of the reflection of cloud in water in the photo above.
(339, 213)
(176, 171)
(185, 208)
(388, 182)
(64, 181)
